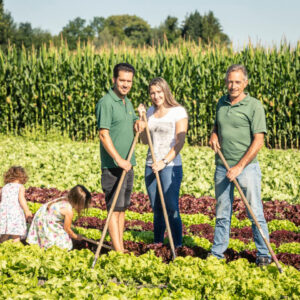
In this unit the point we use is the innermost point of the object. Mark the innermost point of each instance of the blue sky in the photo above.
(263, 21)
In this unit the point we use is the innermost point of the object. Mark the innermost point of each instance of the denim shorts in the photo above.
(109, 181)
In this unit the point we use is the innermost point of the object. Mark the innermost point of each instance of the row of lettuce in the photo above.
(59, 274)
(64, 163)
(189, 239)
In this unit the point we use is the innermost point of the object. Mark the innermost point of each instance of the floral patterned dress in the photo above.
(12, 217)
(47, 227)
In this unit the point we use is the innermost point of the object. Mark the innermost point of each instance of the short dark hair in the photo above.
(123, 67)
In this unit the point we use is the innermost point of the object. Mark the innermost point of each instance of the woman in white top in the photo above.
(168, 122)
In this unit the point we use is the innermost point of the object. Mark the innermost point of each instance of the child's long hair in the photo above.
(79, 197)
(15, 173)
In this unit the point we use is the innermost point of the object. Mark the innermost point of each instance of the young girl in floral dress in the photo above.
(13, 206)
(51, 225)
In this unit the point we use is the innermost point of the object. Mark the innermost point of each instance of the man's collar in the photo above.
(244, 101)
(115, 97)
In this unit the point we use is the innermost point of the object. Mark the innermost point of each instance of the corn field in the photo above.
(56, 88)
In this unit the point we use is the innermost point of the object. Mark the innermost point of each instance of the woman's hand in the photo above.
(141, 110)
(159, 165)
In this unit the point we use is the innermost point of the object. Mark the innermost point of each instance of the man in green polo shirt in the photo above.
(116, 122)
(239, 129)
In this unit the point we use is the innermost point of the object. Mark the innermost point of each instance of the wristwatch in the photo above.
(165, 161)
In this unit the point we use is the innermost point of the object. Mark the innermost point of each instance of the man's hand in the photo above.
(159, 165)
(139, 126)
(214, 142)
(124, 164)
(234, 172)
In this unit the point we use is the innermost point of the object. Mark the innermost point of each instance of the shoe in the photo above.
(262, 261)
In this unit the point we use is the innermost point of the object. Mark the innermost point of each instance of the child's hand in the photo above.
(79, 237)
(28, 214)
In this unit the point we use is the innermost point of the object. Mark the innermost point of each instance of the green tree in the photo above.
(76, 30)
(41, 37)
(167, 30)
(192, 27)
(171, 29)
(131, 29)
(24, 35)
(7, 27)
(206, 28)
(212, 30)
(97, 24)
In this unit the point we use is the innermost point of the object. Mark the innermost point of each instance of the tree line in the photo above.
(129, 29)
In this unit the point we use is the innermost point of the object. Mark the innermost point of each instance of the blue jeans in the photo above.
(249, 181)
(170, 177)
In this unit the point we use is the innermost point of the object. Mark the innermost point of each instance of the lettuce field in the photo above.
(62, 163)
(148, 272)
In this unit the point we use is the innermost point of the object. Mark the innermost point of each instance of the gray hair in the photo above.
(237, 67)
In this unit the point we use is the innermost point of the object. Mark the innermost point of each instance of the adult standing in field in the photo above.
(116, 122)
(239, 129)
(168, 122)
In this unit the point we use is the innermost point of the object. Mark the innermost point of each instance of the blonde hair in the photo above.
(15, 173)
(160, 82)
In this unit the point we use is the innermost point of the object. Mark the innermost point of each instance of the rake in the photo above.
(251, 213)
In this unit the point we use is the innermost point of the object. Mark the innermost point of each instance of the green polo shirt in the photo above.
(236, 126)
(118, 118)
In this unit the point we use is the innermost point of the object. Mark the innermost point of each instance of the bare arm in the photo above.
(181, 129)
(214, 139)
(111, 150)
(68, 214)
(256, 145)
(23, 202)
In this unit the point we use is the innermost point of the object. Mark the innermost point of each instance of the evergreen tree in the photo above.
(206, 28)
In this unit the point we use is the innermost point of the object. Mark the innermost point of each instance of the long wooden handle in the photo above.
(114, 201)
(251, 212)
(160, 189)
(95, 242)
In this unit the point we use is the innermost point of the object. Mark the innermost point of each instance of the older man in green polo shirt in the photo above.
(116, 121)
(239, 129)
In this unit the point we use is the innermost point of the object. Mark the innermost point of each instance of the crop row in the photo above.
(187, 220)
(57, 273)
(200, 234)
(50, 163)
(188, 204)
(244, 234)
(56, 88)
(164, 252)
(189, 240)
